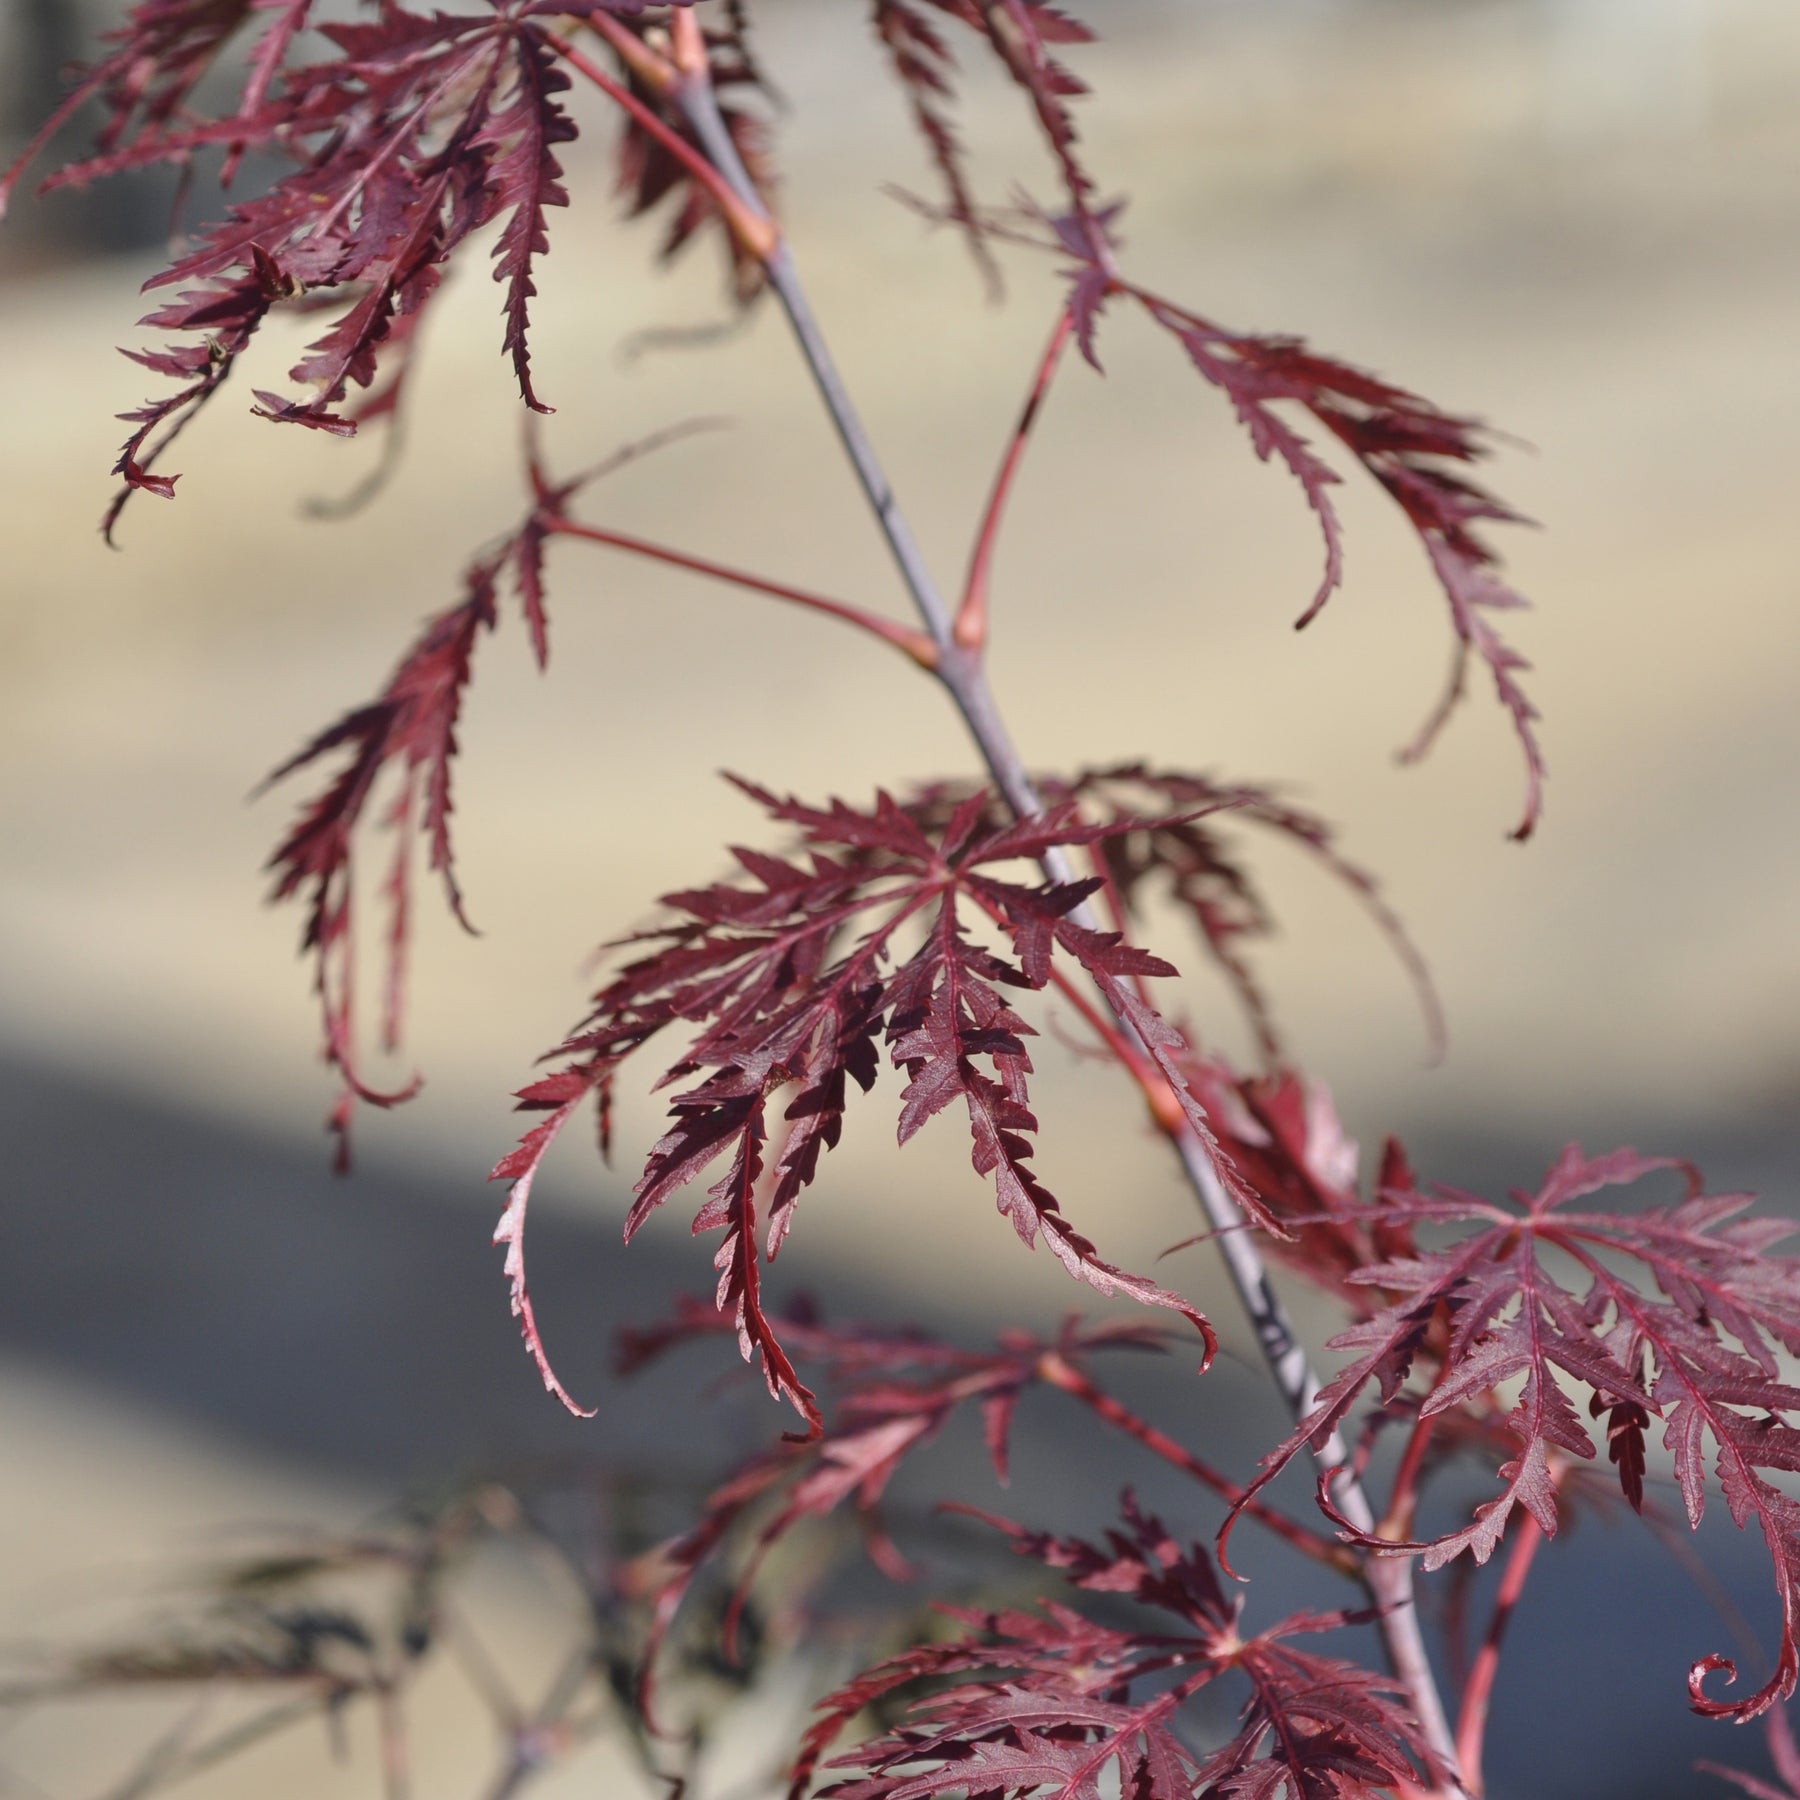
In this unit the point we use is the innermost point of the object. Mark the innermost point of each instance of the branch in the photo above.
(748, 220)
(1058, 1372)
(1471, 1720)
(913, 643)
(971, 626)
(1389, 1579)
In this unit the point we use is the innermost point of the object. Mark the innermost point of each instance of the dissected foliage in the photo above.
(1021, 33)
(1537, 1293)
(1419, 454)
(909, 933)
(1055, 1700)
(894, 1392)
(418, 130)
(1172, 835)
(408, 730)
(795, 978)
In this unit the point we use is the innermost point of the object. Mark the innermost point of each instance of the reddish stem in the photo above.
(654, 70)
(1403, 1499)
(1115, 911)
(688, 44)
(1058, 1372)
(971, 627)
(914, 644)
(1165, 1109)
(755, 230)
(1471, 1720)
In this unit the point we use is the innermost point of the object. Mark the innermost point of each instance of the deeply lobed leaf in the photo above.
(895, 1391)
(1051, 1700)
(1675, 1313)
(1419, 454)
(792, 980)
(417, 131)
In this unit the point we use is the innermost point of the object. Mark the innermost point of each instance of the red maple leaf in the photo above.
(1034, 1701)
(895, 1393)
(794, 978)
(1171, 835)
(1420, 454)
(1694, 1346)
(420, 129)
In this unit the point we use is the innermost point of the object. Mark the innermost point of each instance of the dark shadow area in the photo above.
(361, 1327)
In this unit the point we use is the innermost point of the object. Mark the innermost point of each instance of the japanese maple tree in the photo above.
(911, 940)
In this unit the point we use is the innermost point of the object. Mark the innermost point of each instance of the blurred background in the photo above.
(1577, 218)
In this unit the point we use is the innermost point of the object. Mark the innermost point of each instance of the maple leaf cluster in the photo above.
(796, 978)
(416, 132)
(909, 933)
(1535, 1294)
(1053, 1699)
(1049, 1691)
(894, 1393)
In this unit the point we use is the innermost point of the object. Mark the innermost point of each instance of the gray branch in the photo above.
(1389, 1579)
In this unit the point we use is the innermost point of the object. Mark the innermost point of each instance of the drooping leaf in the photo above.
(1418, 453)
(154, 61)
(895, 1391)
(1021, 33)
(408, 730)
(419, 129)
(793, 978)
(921, 59)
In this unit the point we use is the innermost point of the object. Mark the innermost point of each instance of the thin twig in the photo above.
(1403, 1495)
(914, 644)
(971, 626)
(746, 216)
(1471, 1720)
(1059, 1372)
(1389, 1579)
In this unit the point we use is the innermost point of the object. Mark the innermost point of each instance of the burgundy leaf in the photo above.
(921, 59)
(1689, 1337)
(896, 1392)
(156, 59)
(419, 130)
(1170, 833)
(409, 728)
(1418, 453)
(790, 976)
(1033, 1700)
(522, 136)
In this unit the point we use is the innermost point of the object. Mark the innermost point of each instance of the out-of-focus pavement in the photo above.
(1577, 220)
